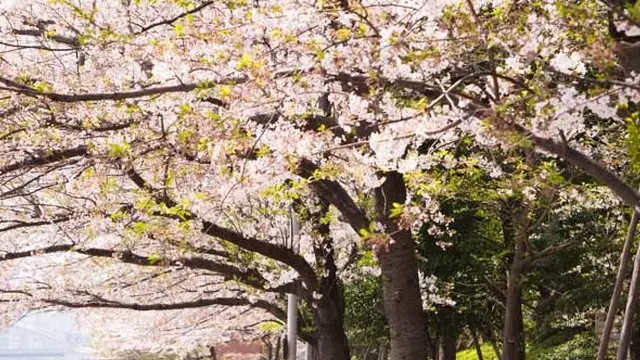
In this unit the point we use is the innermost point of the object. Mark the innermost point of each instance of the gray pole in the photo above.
(617, 290)
(292, 299)
(632, 300)
(292, 326)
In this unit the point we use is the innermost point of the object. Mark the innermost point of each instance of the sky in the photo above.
(5, 4)
(44, 336)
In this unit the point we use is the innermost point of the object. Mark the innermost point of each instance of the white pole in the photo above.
(292, 300)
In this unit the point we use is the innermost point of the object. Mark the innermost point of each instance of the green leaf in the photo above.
(154, 258)
(119, 150)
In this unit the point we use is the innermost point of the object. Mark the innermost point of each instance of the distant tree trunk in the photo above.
(476, 342)
(212, 353)
(277, 352)
(432, 346)
(382, 351)
(268, 347)
(448, 333)
(313, 352)
(447, 346)
(401, 292)
(494, 346)
(635, 344)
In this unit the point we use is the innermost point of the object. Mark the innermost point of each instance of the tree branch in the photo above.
(280, 253)
(250, 277)
(67, 40)
(628, 194)
(333, 193)
(115, 96)
(18, 224)
(48, 158)
(175, 18)
(224, 301)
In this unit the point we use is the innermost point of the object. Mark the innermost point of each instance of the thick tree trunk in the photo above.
(401, 291)
(402, 301)
(332, 343)
(447, 346)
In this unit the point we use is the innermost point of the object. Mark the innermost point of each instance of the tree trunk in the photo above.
(476, 342)
(312, 352)
(513, 348)
(332, 343)
(634, 349)
(401, 291)
(382, 352)
(447, 346)
(277, 352)
(514, 227)
(402, 301)
(329, 309)
(489, 334)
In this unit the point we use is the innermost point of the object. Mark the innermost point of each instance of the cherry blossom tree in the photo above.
(163, 142)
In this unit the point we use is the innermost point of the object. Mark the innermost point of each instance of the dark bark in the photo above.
(175, 18)
(401, 292)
